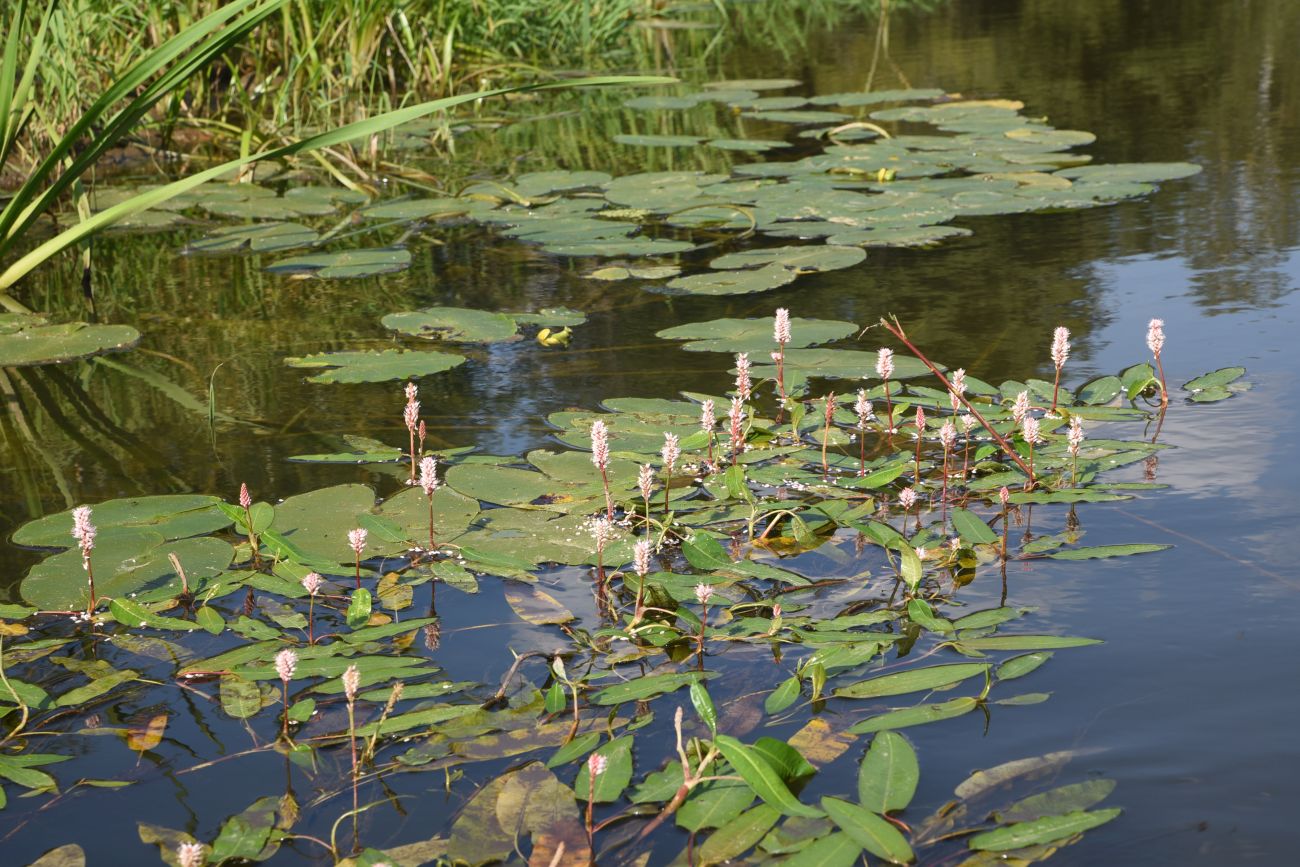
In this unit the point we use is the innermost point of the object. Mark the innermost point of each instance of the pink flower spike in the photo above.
(351, 682)
(885, 363)
(311, 583)
(1020, 407)
(1004, 494)
(411, 391)
(600, 444)
(602, 530)
(429, 475)
(703, 593)
(285, 663)
(245, 498)
(1030, 430)
(1060, 346)
(958, 381)
(863, 408)
(948, 434)
(907, 498)
(191, 855)
(670, 452)
(781, 329)
(646, 480)
(708, 421)
(357, 540)
(641, 557)
(82, 530)
(1075, 436)
(743, 385)
(596, 764)
(411, 415)
(1156, 336)
(920, 422)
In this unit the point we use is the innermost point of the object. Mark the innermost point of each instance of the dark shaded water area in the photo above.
(1188, 705)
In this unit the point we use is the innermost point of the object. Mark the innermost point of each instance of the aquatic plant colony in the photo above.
(786, 552)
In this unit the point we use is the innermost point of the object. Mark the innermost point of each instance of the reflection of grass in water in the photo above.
(326, 62)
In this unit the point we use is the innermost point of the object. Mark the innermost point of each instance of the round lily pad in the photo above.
(258, 237)
(454, 325)
(346, 263)
(753, 84)
(877, 97)
(809, 258)
(127, 562)
(1129, 173)
(418, 209)
(754, 335)
(739, 282)
(663, 141)
(26, 341)
(172, 516)
(757, 145)
(652, 103)
(798, 116)
(375, 366)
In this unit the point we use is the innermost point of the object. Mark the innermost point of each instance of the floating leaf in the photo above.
(646, 687)
(375, 365)
(832, 850)
(346, 264)
(1065, 799)
(537, 606)
(888, 774)
(454, 325)
(762, 778)
(869, 830)
(26, 340)
(670, 141)
(1040, 831)
(912, 680)
(754, 335)
(148, 736)
(174, 516)
(257, 238)
(1019, 666)
(1098, 552)
(805, 259)
(737, 836)
(1024, 642)
(972, 528)
(618, 772)
(734, 282)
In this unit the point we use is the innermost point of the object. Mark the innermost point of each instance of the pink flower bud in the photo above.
(885, 363)
(245, 498)
(285, 663)
(781, 329)
(599, 444)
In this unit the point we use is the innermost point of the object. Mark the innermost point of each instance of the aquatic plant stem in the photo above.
(826, 435)
(896, 329)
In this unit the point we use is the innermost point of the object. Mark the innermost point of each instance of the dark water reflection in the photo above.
(1190, 704)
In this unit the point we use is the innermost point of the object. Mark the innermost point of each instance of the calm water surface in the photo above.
(1190, 704)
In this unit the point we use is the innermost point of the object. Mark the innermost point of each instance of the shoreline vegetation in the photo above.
(316, 64)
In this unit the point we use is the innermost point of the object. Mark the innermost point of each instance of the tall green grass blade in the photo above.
(349, 132)
(42, 187)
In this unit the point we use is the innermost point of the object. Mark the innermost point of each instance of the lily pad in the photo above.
(258, 238)
(454, 325)
(753, 84)
(173, 516)
(26, 340)
(126, 562)
(735, 282)
(663, 141)
(805, 259)
(754, 335)
(346, 263)
(375, 366)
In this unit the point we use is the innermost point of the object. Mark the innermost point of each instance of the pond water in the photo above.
(1188, 704)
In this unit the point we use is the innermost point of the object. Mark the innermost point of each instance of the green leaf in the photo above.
(1065, 799)
(34, 343)
(1216, 379)
(210, 620)
(737, 836)
(889, 773)
(618, 772)
(1040, 831)
(647, 687)
(375, 365)
(869, 831)
(242, 698)
(833, 850)
(914, 680)
(785, 759)
(574, 749)
(358, 614)
(131, 613)
(1019, 666)
(762, 778)
(1024, 642)
(96, 688)
(1097, 552)
(704, 706)
(972, 528)
(783, 696)
(24, 776)
(248, 834)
